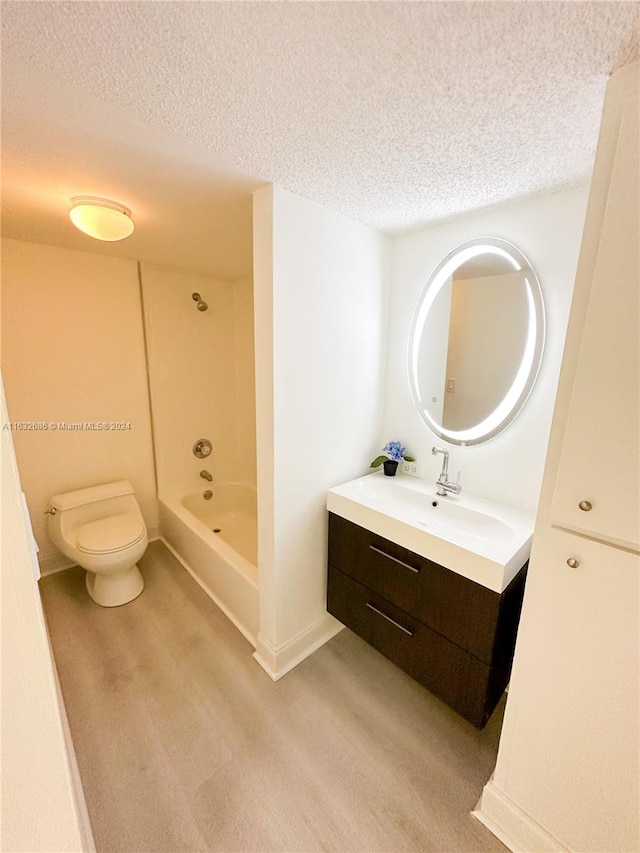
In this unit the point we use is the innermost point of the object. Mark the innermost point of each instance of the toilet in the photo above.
(102, 529)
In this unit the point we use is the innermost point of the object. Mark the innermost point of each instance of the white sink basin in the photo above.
(486, 541)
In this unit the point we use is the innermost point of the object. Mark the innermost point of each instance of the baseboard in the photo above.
(52, 563)
(278, 661)
(245, 633)
(153, 531)
(514, 827)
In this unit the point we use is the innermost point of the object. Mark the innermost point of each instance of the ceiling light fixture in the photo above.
(101, 218)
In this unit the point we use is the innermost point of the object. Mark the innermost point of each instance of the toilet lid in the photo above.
(110, 534)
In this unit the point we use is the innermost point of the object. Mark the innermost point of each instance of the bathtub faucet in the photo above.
(206, 476)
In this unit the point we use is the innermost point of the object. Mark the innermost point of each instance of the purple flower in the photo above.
(394, 450)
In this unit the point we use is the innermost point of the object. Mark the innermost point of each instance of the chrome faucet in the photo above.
(443, 480)
(206, 476)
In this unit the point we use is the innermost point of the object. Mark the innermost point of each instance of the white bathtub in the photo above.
(224, 563)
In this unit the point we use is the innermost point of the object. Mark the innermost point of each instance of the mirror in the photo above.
(476, 341)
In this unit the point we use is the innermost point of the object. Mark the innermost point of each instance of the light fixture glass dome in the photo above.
(101, 218)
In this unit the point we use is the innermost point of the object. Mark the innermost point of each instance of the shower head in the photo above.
(201, 306)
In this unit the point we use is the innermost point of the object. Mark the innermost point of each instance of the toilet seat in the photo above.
(107, 535)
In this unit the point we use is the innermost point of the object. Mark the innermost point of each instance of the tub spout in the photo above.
(206, 476)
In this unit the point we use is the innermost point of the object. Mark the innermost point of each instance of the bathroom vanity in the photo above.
(450, 632)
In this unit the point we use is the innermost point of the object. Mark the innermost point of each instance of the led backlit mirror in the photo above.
(476, 341)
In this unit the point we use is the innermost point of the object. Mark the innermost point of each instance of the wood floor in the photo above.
(185, 744)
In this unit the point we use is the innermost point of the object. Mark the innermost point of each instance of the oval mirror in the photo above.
(476, 341)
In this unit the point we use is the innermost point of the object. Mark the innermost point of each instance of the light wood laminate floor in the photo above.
(185, 744)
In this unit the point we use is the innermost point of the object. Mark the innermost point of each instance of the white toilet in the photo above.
(102, 530)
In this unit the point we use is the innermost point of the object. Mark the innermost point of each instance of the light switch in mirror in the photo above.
(476, 341)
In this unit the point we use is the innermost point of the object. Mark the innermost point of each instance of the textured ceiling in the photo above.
(394, 113)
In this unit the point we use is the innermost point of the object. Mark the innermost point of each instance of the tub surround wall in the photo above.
(245, 429)
(202, 386)
(548, 230)
(73, 352)
(197, 363)
(320, 320)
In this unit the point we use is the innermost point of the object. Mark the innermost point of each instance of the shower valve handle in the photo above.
(202, 448)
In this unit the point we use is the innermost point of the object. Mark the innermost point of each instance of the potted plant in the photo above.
(393, 452)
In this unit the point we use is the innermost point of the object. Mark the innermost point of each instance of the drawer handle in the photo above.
(395, 559)
(585, 506)
(389, 619)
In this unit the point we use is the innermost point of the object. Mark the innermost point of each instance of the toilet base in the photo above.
(115, 588)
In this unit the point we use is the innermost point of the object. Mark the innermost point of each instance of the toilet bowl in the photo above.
(102, 529)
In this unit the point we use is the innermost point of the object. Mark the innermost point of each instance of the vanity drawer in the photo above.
(459, 609)
(453, 675)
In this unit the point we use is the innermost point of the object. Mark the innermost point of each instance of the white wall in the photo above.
(201, 377)
(73, 351)
(39, 807)
(320, 317)
(548, 230)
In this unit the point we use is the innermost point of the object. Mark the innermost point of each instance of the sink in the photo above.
(430, 510)
(485, 541)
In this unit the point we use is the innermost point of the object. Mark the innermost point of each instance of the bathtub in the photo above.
(223, 562)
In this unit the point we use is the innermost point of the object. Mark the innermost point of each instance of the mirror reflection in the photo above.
(476, 341)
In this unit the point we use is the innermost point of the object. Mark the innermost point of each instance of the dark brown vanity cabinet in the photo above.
(452, 635)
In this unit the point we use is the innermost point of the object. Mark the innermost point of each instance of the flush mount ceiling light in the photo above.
(101, 218)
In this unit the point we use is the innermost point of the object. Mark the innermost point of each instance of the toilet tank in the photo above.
(84, 505)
